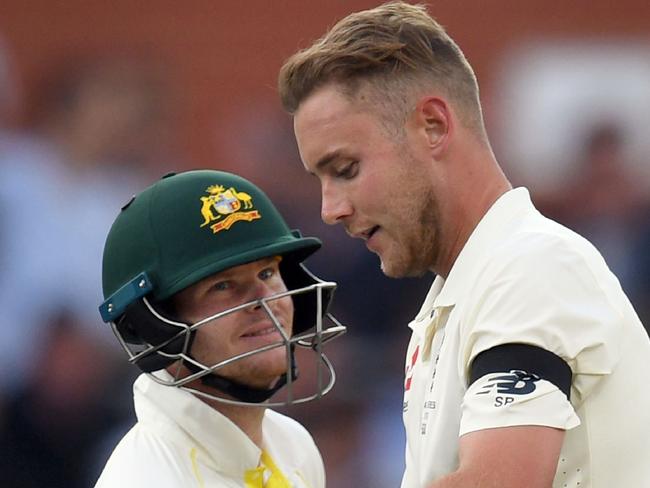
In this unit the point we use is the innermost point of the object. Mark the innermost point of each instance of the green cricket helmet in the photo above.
(182, 229)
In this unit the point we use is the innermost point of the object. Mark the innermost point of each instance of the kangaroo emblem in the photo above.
(206, 210)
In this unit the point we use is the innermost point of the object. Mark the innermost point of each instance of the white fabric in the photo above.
(180, 442)
(522, 278)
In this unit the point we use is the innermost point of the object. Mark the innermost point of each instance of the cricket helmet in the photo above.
(182, 229)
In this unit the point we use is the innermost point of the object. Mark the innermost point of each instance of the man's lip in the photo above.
(260, 330)
(365, 234)
(370, 242)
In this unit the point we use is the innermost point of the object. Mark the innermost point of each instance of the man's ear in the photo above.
(433, 117)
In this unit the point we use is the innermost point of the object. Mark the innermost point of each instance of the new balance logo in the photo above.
(517, 382)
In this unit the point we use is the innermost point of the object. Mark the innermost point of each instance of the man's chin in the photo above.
(400, 269)
(391, 269)
(266, 376)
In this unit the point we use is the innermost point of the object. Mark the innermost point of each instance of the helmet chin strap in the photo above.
(242, 392)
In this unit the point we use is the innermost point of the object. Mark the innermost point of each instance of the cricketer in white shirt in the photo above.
(529, 328)
(180, 441)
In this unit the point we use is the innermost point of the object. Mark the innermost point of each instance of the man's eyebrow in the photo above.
(322, 163)
(228, 273)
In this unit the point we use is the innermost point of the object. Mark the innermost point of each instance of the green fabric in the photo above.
(190, 225)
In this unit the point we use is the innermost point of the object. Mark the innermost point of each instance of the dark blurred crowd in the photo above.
(85, 142)
(94, 133)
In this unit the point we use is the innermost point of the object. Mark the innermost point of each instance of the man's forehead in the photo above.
(325, 125)
(323, 104)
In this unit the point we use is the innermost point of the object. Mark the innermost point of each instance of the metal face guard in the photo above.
(326, 327)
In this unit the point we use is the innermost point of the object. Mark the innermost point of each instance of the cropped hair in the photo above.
(395, 52)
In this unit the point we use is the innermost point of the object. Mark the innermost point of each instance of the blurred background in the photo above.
(98, 99)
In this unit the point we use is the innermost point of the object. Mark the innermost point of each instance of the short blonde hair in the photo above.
(396, 50)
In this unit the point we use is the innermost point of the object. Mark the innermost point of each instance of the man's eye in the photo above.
(348, 171)
(222, 285)
(266, 273)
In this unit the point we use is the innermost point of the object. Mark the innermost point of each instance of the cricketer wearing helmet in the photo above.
(205, 290)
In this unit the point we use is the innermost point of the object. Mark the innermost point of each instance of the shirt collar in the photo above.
(507, 207)
(212, 431)
(445, 292)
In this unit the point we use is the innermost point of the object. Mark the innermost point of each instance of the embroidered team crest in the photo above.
(222, 208)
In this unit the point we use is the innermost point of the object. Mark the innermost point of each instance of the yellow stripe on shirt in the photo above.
(195, 467)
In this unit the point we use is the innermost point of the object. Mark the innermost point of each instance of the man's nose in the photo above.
(263, 289)
(334, 206)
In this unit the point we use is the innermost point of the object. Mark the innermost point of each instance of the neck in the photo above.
(483, 183)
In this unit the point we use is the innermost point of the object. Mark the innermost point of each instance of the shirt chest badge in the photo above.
(409, 369)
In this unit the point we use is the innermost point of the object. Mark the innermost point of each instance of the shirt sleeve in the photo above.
(549, 298)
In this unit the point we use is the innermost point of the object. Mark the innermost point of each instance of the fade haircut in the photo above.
(394, 52)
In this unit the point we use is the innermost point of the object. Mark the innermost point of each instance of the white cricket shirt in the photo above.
(523, 278)
(180, 442)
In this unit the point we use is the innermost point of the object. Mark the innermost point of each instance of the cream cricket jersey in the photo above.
(180, 442)
(522, 278)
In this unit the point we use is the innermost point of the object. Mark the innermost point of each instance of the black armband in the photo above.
(524, 357)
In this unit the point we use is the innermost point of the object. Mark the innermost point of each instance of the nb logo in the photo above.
(516, 382)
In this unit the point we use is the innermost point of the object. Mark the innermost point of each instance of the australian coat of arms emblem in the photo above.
(222, 207)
